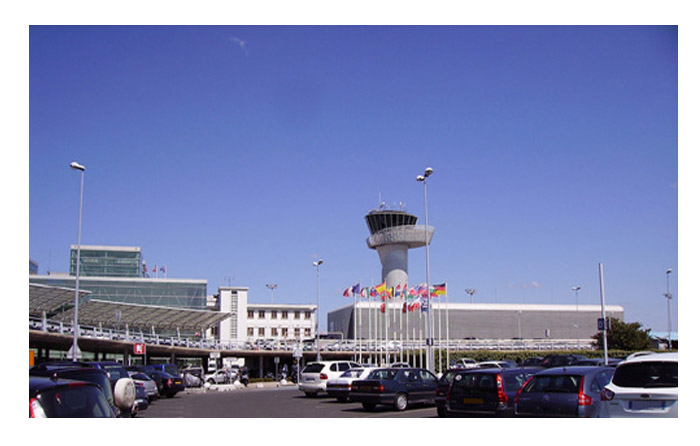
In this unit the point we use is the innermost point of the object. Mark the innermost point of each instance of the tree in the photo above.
(624, 336)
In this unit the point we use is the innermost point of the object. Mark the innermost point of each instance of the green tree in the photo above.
(624, 336)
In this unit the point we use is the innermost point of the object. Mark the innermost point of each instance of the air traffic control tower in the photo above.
(392, 233)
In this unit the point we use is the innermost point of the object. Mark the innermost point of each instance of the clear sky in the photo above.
(249, 152)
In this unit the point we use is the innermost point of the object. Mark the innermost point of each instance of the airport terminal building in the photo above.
(473, 321)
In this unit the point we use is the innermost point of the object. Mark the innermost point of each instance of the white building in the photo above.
(250, 321)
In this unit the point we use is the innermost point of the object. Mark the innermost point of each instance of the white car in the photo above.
(643, 386)
(220, 376)
(316, 374)
(340, 387)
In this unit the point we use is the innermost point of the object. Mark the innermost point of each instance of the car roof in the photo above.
(573, 370)
(38, 384)
(652, 357)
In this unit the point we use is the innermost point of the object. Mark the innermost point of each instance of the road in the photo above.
(268, 403)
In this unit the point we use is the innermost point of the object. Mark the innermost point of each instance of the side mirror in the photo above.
(124, 394)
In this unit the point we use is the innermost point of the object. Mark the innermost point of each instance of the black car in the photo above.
(116, 371)
(62, 398)
(396, 387)
(486, 391)
(168, 385)
(443, 385)
(78, 371)
(573, 391)
(559, 360)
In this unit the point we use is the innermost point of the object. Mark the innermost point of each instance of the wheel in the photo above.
(341, 399)
(210, 381)
(369, 406)
(401, 402)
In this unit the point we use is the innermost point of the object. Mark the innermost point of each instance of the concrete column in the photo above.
(260, 362)
(394, 259)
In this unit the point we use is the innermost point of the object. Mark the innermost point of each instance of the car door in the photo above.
(428, 387)
(410, 384)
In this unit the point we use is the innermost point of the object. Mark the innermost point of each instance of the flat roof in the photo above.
(494, 306)
(107, 248)
(119, 279)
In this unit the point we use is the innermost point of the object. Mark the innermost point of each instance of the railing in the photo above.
(326, 345)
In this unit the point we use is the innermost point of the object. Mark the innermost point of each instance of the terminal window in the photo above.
(261, 314)
(251, 314)
(285, 315)
(307, 315)
(297, 315)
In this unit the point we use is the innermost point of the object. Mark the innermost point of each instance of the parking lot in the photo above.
(270, 402)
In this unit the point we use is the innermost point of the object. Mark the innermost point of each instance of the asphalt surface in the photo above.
(286, 402)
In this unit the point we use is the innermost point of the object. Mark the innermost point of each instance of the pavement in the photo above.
(238, 386)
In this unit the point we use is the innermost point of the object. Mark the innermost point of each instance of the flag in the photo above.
(423, 290)
(162, 269)
(415, 305)
(438, 290)
(154, 269)
(382, 308)
(373, 292)
(398, 292)
(356, 288)
(364, 292)
(411, 292)
(381, 288)
(404, 308)
(423, 304)
(347, 292)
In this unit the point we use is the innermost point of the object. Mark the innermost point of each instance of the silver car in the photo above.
(150, 385)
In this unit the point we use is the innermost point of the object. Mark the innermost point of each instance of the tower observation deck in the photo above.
(392, 234)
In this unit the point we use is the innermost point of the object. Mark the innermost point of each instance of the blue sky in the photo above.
(251, 151)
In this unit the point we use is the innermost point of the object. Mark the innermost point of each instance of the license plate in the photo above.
(473, 401)
(308, 379)
(647, 405)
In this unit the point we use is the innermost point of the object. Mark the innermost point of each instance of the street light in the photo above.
(668, 296)
(578, 338)
(429, 341)
(471, 293)
(317, 264)
(272, 287)
(75, 351)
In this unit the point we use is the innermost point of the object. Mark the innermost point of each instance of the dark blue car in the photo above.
(397, 387)
(563, 392)
(61, 398)
(486, 391)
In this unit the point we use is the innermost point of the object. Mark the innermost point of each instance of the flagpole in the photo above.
(447, 323)
(354, 318)
(440, 311)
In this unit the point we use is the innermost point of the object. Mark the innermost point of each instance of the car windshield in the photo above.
(647, 374)
(553, 384)
(140, 376)
(81, 401)
(382, 374)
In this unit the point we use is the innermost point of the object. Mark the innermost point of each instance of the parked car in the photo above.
(443, 385)
(558, 360)
(149, 385)
(486, 391)
(62, 398)
(643, 386)
(397, 387)
(597, 361)
(534, 361)
(503, 364)
(466, 363)
(168, 385)
(563, 392)
(116, 371)
(85, 372)
(167, 368)
(339, 388)
(316, 374)
(220, 376)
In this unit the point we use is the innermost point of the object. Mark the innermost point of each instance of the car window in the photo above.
(386, 374)
(553, 384)
(334, 367)
(514, 381)
(647, 374)
(313, 368)
(343, 366)
(487, 381)
(448, 377)
(427, 376)
(83, 401)
(602, 379)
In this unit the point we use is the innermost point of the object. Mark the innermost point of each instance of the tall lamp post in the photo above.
(272, 287)
(668, 297)
(429, 341)
(75, 351)
(578, 338)
(317, 264)
(471, 293)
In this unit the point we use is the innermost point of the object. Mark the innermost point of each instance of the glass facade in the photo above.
(105, 261)
(178, 293)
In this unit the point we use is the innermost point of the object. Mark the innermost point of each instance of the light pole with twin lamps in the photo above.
(317, 264)
(74, 350)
